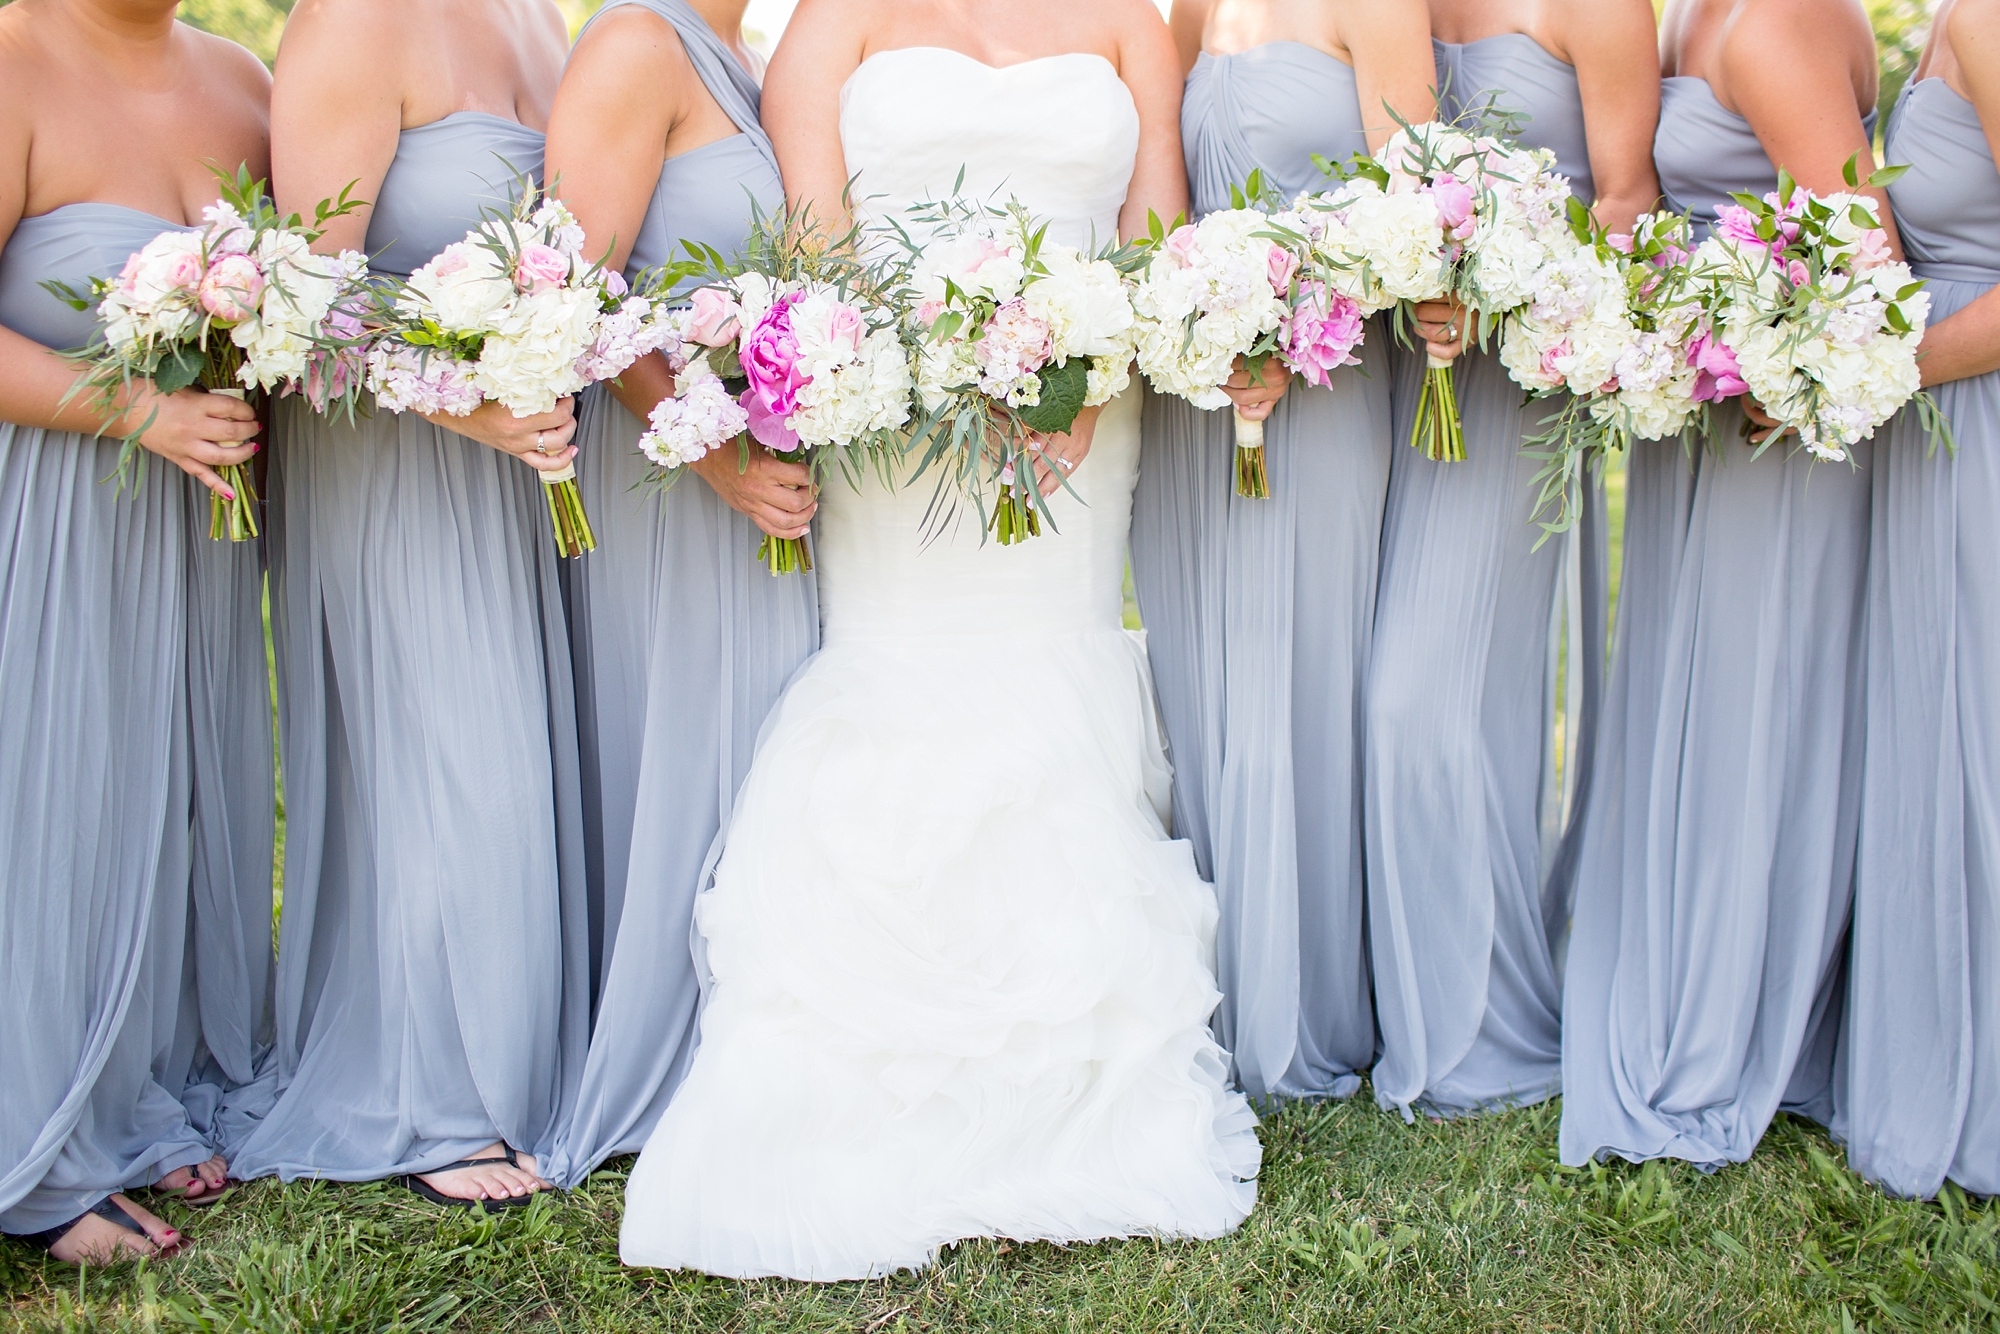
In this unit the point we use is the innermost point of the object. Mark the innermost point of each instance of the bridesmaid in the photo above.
(433, 990)
(1462, 816)
(1712, 898)
(682, 640)
(95, 750)
(1922, 1071)
(1258, 611)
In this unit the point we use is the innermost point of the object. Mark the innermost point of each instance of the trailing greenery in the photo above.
(1364, 1223)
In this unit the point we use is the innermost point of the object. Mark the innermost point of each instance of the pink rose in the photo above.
(1453, 198)
(845, 327)
(614, 283)
(1874, 250)
(770, 357)
(232, 288)
(1620, 242)
(1321, 333)
(451, 261)
(1180, 244)
(1282, 264)
(1717, 376)
(540, 268)
(989, 249)
(928, 312)
(714, 319)
(1552, 361)
(1798, 273)
(1733, 222)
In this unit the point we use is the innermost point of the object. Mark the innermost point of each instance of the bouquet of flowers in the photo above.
(1811, 314)
(1241, 283)
(1495, 210)
(791, 349)
(238, 304)
(1015, 336)
(1616, 326)
(513, 314)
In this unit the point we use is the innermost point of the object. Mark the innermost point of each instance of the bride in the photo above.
(957, 976)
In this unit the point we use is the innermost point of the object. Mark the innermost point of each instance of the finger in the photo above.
(786, 500)
(795, 475)
(220, 453)
(207, 476)
(548, 462)
(225, 408)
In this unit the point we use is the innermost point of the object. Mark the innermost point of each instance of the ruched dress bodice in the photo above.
(1273, 106)
(71, 245)
(1515, 73)
(446, 177)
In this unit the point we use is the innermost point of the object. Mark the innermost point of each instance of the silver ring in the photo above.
(541, 442)
(1067, 466)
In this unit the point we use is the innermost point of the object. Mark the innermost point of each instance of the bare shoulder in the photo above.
(629, 31)
(1762, 25)
(376, 25)
(1133, 18)
(1581, 19)
(816, 21)
(1969, 21)
(225, 64)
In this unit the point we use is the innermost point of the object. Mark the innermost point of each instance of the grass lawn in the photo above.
(1363, 1223)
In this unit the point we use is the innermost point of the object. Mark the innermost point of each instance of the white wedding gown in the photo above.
(958, 976)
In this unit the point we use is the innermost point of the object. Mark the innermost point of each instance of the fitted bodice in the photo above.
(1514, 71)
(1269, 108)
(1948, 203)
(1059, 134)
(1705, 153)
(447, 175)
(71, 244)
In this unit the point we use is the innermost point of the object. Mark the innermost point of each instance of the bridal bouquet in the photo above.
(1494, 211)
(1812, 316)
(238, 304)
(793, 352)
(513, 314)
(1615, 329)
(1240, 283)
(1016, 335)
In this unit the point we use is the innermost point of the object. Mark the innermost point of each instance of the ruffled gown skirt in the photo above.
(958, 978)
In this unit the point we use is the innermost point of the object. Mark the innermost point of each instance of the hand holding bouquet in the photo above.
(1812, 315)
(1016, 336)
(1241, 284)
(515, 315)
(790, 350)
(237, 304)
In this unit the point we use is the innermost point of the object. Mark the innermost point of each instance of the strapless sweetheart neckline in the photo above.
(1009, 68)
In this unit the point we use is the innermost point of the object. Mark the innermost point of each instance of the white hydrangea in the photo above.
(1207, 298)
(301, 291)
(1377, 248)
(529, 360)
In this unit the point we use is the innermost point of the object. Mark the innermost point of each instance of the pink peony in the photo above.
(1282, 264)
(1454, 199)
(1321, 333)
(1874, 250)
(540, 268)
(232, 289)
(714, 319)
(770, 357)
(1717, 376)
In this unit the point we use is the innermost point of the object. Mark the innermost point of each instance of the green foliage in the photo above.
(1363, 1223)
(1901, 28)
(254, 23)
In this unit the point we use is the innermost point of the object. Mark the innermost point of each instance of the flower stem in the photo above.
(572, 525)
(1251, 480)
(784, 555)
(1015, 518)
(1438, 434)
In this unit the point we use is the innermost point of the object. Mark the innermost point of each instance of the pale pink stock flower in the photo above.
(714, 319)
(541, 268)
(232, 288)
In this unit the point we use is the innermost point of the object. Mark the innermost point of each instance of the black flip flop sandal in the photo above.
(436, 1196)
(206, 1200)
(107, 1209)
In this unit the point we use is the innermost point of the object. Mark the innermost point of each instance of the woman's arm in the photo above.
(822, 46)
(1968, 343)
(1395, 70)
(1151, 69)
(1793, 75)
(1614, 45)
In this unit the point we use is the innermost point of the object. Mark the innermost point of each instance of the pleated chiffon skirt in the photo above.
(433, 984)
(1259, 615)
(1466, 821)
(96, 783)
(682, 642)
(1703, 982)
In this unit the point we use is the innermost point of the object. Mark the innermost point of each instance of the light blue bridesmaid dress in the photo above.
(96, 777)
(1465, 817)
(1258, 615)
(1920, 1087)
(1703, 977)
(683, 642)
(433, 978)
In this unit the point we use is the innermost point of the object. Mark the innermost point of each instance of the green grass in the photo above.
(1364, 1223)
